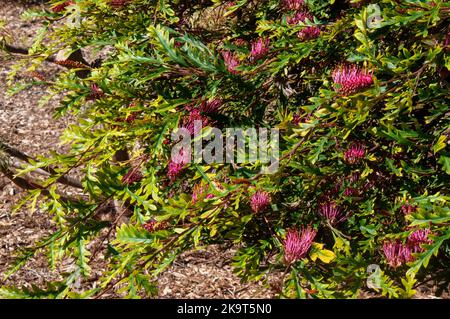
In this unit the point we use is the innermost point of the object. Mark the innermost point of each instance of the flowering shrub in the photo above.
(358, 90)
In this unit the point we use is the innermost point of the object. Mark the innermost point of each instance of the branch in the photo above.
(30, 185)
(76, 56)
(69, 181)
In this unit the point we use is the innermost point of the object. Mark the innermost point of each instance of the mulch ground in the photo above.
(203, 273)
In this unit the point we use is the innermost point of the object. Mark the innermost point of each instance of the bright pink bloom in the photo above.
(417, 238)
(354, 153)
(298, 17)
(231, 62)
(309, 33)
(177, 164)
(260, 201)
(332, 213)
(174, 169)
(297, 244)
(349, 79)
(293, 4)
(194, 116)
(260, 48)
(397, 253)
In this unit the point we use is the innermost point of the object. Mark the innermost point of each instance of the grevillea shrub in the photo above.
(358, 90)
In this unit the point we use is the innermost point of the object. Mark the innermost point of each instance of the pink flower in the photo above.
(397, 253)
(349, 79)
(297, 244)
(417, 238)
(174, 169)
(259, 49)
(298, 17)
(354, 153)
(199, 190)
(231, 62)
(177, 164)
(260, 201)
(332, 213)
(190, 121)
(309, 33)
(293, 4)
(349, 191)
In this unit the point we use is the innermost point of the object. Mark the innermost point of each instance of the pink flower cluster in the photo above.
(332, 213)
(349, 191)
(260, 201)
(417, 238)
(260, 48)
(354, 153)
(397, 253)
(177, 164)
(293, 4)
(298, 17)
(297, 244)
(309, 33)
(349, 79)
(195, 114)
(231, 61)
